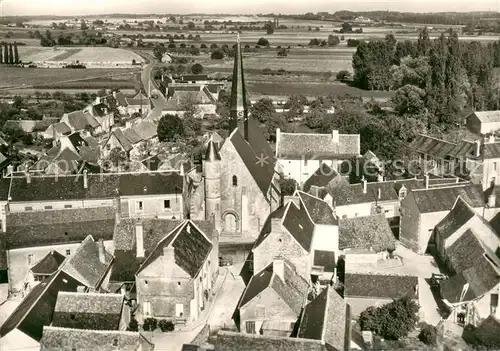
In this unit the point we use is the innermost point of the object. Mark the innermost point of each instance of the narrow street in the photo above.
(160, 100)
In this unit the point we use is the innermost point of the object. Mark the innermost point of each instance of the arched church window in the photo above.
(235, 181)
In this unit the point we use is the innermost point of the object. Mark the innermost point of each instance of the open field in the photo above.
(81, 54)
(24, 92)
(14, 77)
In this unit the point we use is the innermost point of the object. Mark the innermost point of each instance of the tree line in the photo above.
(9, 54)
(436, 81)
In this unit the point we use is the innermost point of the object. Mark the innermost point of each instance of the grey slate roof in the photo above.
(319, 211)
(39, 228)
(491, 150)
(325, 319)
(266, 228)
(488, 332)
(80, 120)
(366, 232)
(380, 286)
(431, 146)
(443, 199)
(191, 248)
(100, 186)
(298, 224)
(124, 142)
(458, 216)
(63, 339)
(464, 252)
(298, 145)
(49, 264)
(88, 311)
(323, 176)
(252, 151)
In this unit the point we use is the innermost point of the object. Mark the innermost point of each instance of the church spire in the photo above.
(212, 154)
(238, 107)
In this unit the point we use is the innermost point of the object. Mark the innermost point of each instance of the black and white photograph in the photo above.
(249, 175)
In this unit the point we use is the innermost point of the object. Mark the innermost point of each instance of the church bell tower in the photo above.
(212, 173)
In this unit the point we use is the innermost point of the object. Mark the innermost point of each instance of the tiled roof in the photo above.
(487, 116)
(231, 341)
(80, 120)
(120, 99)
(325, 319)
(190, 77)
(443, 199)
(40, 228)
(380, 286)
(88, 311)
(85, 266)
(124, 142)
(43, 124)
(488, 333)
(132, 136)
(431, 146)
(491, 150)
(254, 150)
(49, 264)
(451, 289)
(298, 224)
(482, 277)
(458, 216)
(464, 252)
(464, 148)
(298, 145)
(125, 265)
(146, 130)
(292, 289)
(323, 176)
(62, 128)
(348, 194)
(191, 248)
(63, 339)
(100, 186)
(36, 309)
(366, 232)
(319, 211)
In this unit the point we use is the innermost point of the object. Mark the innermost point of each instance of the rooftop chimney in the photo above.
(139, 240)
(335, 136)
(114, 94)
(85, 179)
(380, 177)
(102, 255)
(491, 139)
(10, 169)
(427, 181)
(28, 177)
(279, 268)
(492, 199)
(365, 185)
(477, 150)
(379, 195)
(80, 289)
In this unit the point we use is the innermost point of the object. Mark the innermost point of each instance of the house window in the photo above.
(235, 181)
(39, 278)
(68, 252)
(250, 327)
(402, 195)
(28, 208)
(48, 207)
(493, 303)
(179, 310)
(30, 259)
(166, 204)
(108, 147)
(146, 308)
(139, 206)
(115, 342)
(68, 206)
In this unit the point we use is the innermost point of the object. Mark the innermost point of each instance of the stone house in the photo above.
(324, 178)
(483, 122)
(45, 267)
(373, 290)
(103, 114)
(301, 154)
(423, 209)
(181, 96)
(272, 301)
(175, 279)
(138, 104)
(82, 122)
(62, 339)
(87, 269)
(56, 130)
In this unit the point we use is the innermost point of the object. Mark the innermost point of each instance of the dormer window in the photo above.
(235, 181)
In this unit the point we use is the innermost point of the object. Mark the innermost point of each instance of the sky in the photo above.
(89, 7)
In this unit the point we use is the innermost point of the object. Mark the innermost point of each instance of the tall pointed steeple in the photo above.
(238, 106)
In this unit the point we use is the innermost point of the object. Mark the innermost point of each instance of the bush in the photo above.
(428, 335)
(150, 324)
(343, 75)
(217, 55)
(166, 326)
(197, 68)
(133, 325)
(203, 46)
(263, 42)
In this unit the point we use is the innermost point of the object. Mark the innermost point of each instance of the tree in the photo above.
(169, 128)
(158, 51)
(287, 186)
(16, 53)
(282, 52)
(263, 42)
(11, 54)
(333, 40)
(346, 27)
(316, 117)
(343, 75)
(191, 26)
(117, 157)
(197, 68)
(217, 54)
(150, 324)
(1, 55)
(263, 110)
(166, 326)
(428, 334)
(409, 100)
(269, 28)
(83, 25)
(392, 321)
(133, 325)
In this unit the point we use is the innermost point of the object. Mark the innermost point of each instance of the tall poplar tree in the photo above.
(5, 53)
(16, 53)
(11, 54)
